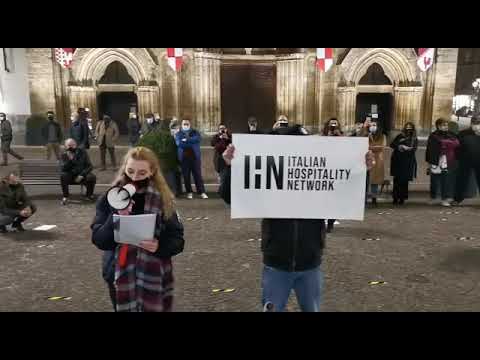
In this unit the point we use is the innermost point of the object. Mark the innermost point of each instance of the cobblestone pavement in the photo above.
(428, 257)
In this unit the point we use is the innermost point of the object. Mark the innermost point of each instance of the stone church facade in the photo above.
(228, 85)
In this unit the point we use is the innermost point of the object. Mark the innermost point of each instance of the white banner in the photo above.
(298, 177)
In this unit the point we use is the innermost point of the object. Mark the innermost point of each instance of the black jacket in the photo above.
(6, 130)
(133, 126)
(13, 199)
(403, 165)
(432, 155)
(469, 151)
(58, 131)
(80, 132)
(287, 244)
(80, 165)
(168, 232)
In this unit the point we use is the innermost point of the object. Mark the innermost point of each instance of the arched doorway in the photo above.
(116, 95)
(404, 86)
(377, 104)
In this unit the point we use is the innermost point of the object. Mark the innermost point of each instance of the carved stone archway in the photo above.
(398, 65)
(90, 65)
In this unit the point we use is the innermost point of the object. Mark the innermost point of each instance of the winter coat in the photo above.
(133, 130)
(434, 150)
(58, 132)
(192, 143)
(377, 173)
(13, 199)
(403, 164)
(6, 130)
(80, 165)
(80, 133)
(111, 134)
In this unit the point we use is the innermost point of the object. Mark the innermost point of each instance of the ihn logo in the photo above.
(269, 170)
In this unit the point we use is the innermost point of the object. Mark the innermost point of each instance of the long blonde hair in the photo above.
(141, 153)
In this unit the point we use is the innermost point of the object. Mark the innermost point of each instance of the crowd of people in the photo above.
(140, 278)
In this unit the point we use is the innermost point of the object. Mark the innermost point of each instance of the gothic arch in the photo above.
(90, 64)
(397, 63)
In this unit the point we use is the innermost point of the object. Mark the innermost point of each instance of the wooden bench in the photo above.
(41, 172)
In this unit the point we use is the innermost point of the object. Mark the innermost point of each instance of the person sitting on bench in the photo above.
(15, 205)
(76, 168)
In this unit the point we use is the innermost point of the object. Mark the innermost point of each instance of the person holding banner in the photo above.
(378, 142)
(292, 248)
(140, 278)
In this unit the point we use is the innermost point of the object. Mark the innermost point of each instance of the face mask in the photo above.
(2, 118)
(134, 116)
(71, 150)
(373, 129)
(50, 117)
(476, 129)
(443, 128)
(186, 128)
(150, 121)
(139, 184)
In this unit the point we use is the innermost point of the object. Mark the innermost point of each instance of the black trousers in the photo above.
(113, 295)
(463, 177)
(103, 155)
(400, 189)
(68, 179)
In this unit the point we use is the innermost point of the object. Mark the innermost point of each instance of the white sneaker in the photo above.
(446, 203)
(190, 196)
(204, 196)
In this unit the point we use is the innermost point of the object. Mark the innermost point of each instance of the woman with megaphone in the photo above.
(140, 276)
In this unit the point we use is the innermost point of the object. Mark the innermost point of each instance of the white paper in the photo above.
(132, 229)
(45, 227)
(343, 199)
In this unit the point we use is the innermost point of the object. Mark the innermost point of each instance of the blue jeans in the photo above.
(278, 284)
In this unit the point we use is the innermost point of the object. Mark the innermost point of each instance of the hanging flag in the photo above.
(175, 58)
(64, 56)
(324, 58)
(425, 58)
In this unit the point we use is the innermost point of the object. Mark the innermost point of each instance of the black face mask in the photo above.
(50, 117)
(72, 150)
(140, 184)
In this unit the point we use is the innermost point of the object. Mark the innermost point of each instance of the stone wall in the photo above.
(40, 76)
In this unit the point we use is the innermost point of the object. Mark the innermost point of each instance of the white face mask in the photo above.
(186, 127)
(476, 129)
(2, 118)
(373, 129)
(443, 128)
(150, 120)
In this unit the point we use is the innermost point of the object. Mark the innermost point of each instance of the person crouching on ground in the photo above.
(140, 279)
(15, 205)
(76, 168)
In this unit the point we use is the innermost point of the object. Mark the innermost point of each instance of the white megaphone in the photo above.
(120, 197)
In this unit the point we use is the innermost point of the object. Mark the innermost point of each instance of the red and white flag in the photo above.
(324, 58)
(64, 56)
(425, 58)
(175, 58)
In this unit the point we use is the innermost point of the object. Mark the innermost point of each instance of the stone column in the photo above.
(346, 106)
(84, 96)
(291, 87)
(148, 100)
(207, 92)
(445, 78)
(407, 107)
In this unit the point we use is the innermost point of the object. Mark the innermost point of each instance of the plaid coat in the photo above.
(145, 282)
